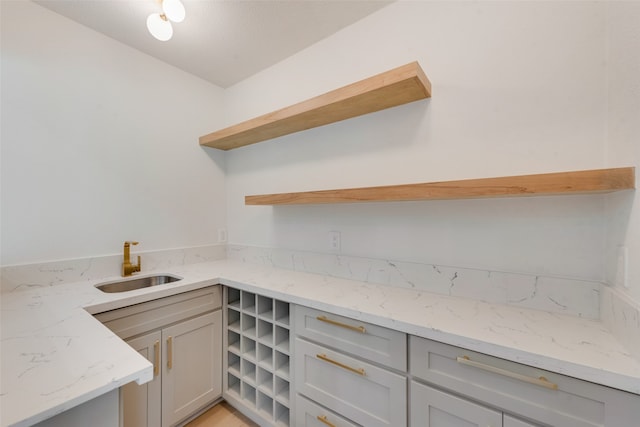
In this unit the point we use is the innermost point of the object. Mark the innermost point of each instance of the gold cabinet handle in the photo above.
(323, 419)
(170, 352)
(156, 359)
(540, 381)
(359, 371)
(325, 319)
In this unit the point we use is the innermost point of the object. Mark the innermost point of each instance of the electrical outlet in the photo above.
(222, 235)
(622, 266)
(334, 241)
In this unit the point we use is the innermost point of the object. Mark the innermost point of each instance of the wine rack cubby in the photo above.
(257, 356)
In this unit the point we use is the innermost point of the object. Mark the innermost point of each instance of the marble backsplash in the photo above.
(591, 300)
(553, 294)
(557, 295)
(29, 276)
(621, 315)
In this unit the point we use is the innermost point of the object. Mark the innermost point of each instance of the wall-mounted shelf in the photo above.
(389, 89)
(561, 183)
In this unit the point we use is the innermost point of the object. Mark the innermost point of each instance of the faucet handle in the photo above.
(127, 267)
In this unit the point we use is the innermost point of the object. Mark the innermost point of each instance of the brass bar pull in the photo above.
(170, 352)
(323, 419)
(541, 381)
(359, 371)
(360, 329)
(156, 359)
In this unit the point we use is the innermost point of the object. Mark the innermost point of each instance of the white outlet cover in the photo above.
(334, 241)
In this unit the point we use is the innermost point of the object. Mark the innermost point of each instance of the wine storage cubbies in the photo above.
(257, 356)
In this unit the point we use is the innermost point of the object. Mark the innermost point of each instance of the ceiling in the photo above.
(222, 41)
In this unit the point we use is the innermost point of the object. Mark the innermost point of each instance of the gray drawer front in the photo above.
(574, 403)
(310, 414)
(375, 398)
(140, 318)
(375, 343)
(434, 408)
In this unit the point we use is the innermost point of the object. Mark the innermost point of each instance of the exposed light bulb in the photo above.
(174, 10)
(159, 27)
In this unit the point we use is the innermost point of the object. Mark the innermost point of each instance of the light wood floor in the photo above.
(222, 415)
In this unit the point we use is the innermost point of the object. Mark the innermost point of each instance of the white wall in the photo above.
(89, 158)
(100, 145)
(518, 87)
(623, 147)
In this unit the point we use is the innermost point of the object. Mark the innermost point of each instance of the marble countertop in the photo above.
(55, 355)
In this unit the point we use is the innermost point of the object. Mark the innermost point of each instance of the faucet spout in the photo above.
(127, 268)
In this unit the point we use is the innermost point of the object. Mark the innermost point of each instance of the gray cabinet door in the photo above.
(192, 366)
(141, 403)
(434, 408)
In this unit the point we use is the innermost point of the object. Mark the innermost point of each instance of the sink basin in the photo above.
(134, 283)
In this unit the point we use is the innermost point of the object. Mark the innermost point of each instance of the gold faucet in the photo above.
(127, 268)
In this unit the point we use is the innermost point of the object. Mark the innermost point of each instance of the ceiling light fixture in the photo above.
(174, 10)
(158, 23)
(159, 27)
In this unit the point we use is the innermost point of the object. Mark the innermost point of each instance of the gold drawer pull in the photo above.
(359, 371)
(360, 329)
(323, 419)
(541, 381)
(170, 352)
(156, 359)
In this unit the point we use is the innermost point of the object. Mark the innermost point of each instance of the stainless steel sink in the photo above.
(134, 283)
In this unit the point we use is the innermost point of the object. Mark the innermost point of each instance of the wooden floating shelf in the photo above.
(561, 183)
(389, 89)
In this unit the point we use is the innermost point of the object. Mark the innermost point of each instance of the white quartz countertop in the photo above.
(55, 355)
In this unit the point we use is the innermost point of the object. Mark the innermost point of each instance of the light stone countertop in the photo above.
(55, 355)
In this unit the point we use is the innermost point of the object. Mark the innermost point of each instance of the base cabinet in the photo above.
(509, 421)
(192, 373)
(141, 404)
(99, 412)
(182, 337)
(353, 369)
(257, 373)
(310, 414)
(282, 365)
(434, 408)
(360, 391)
(519, 391)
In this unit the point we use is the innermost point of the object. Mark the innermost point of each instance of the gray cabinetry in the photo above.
(99, 412)
(517, 391)
(310, 414)
(353, 369)
(360, 339)
(434, 408)
(182, 336)
(192, 373)
(143, 402)
(257, 373)
(509, 421)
